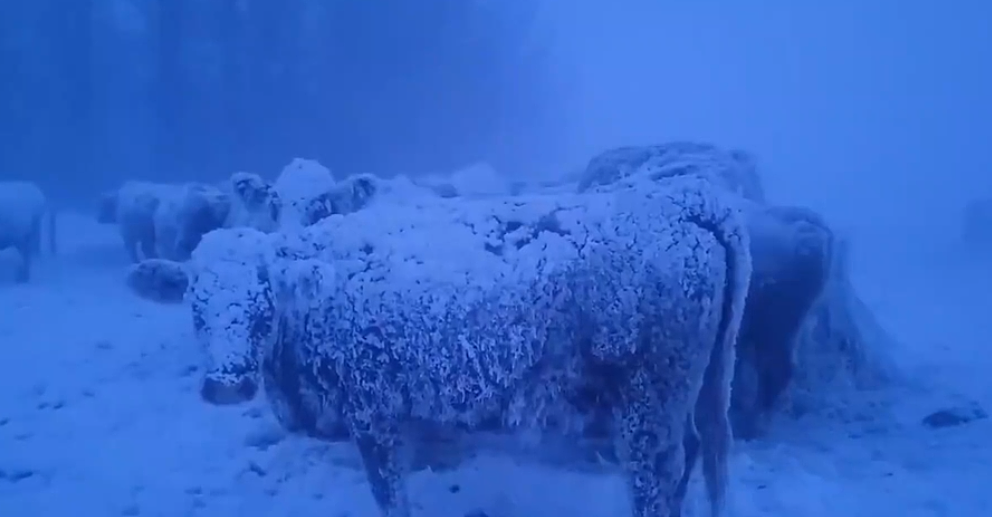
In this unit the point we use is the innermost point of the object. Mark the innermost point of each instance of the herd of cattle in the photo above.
(658, 301)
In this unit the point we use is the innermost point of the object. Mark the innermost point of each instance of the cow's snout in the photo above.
(228, 389)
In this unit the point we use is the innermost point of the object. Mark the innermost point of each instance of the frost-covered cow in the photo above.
(23, 212)
(791, 249)
(547, 312)
(161, 220)
(806, 336)
(132, 208)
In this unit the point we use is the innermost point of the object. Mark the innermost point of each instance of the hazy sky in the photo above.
(848, 104)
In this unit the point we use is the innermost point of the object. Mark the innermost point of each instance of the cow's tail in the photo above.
(712, 209)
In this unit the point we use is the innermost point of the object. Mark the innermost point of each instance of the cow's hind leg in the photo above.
(650, 446)
(34, 238)
(383, 454)
(131, 240)
(26, 253)
(148, 248)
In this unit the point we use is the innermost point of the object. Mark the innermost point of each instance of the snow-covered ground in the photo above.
(100, 416)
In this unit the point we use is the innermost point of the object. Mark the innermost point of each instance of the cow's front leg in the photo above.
(24, 266)
(383, 454)
(650, 448)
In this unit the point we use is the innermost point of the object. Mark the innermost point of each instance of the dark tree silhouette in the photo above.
(169, 90)
(182, 89)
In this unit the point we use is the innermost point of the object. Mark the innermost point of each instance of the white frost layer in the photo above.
(733, 169)
(437, 247)
(453, 242)
(231, 245)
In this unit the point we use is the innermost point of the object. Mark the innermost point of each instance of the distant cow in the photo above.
(161, 220)
(23, 214)
(132, 207)
(185, 216)
(792, 250)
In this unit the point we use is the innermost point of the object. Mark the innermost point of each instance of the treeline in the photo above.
(93, 91)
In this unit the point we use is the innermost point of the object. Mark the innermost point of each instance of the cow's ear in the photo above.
(158, 280)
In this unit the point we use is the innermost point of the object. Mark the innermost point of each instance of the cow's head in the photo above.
(258, 198)
(232, 307)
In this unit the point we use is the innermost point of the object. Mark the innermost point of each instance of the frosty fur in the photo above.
(545, 319)
(734, 169)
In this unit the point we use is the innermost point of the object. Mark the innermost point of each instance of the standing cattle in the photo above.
(795, 327)
(163, 221)
(792, 250)
(546, 312)
(23, 212)
(132, 207)
(185, 215)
